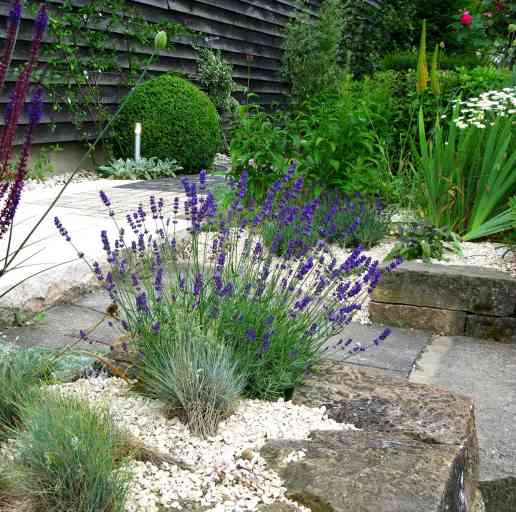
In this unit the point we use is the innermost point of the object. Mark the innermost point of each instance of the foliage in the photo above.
(335, 140)
(178, 120)
(82, 59)
(403, 61)
(142, 169)
(373, 29)
(423, 241)
(43, 166)
(191, 372)
(68, 457)
(311, 51)
(20, 373)
(491, 32)
(467, 176)
(405, 102)
(216, 78)
(370, 31)
(273, 315)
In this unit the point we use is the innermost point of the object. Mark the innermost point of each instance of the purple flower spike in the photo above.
(142, 304)
(202, 180)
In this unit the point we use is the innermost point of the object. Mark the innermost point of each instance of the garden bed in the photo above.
(275, 456)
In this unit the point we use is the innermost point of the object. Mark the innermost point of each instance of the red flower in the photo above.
(499, 6)
(466, 19)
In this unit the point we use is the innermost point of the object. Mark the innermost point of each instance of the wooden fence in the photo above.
(248, 33)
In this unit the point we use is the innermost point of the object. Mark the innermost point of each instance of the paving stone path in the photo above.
(81, 212)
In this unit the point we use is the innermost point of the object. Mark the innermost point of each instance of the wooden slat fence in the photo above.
(239, 28)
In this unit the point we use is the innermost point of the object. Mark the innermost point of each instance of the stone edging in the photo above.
(447, 299)
(416, 449)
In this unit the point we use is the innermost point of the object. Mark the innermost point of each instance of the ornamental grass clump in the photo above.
(191, 372)
(273, 315)
(69, 456)
(21, 372)
(468, 175)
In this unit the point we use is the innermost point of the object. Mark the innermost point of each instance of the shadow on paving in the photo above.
(61, 325)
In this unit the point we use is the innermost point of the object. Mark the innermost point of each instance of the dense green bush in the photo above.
(179, 122)
(69, 456)
(335, 139)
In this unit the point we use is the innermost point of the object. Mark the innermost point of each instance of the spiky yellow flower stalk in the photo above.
(422, 66)
(434, 74)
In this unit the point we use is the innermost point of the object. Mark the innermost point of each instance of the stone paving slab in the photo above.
(485, 371)
(396, 355)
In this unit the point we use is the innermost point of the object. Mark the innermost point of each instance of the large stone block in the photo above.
(442, 321)
(491, 327)
(417, 449)
(465, 288)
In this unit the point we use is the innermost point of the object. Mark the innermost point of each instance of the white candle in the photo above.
(137, 140)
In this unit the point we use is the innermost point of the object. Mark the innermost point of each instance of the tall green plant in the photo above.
(468, 176)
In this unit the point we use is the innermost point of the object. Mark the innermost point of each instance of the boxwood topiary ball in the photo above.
(179, 121)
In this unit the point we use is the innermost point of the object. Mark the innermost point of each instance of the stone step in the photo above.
(448, 299)
(417, 449)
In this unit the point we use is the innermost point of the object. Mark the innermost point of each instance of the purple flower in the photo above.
(105, 199)
(198, 285)
(382, 337)
(156, 327)
(251, 334)
(158, 281)
(141, 303)
(202, 180)
(266, 342)
(62, 231)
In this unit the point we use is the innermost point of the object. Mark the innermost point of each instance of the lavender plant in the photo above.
(272, 314)
(337, 218)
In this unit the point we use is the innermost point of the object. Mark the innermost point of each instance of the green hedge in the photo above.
(179, 122)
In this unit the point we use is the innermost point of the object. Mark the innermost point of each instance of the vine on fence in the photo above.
(96, 47)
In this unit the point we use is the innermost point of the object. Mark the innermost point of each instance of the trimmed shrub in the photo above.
(68, 457)
(179, 122)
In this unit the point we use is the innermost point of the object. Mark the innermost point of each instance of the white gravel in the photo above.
(58, 180)
(228, 474)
